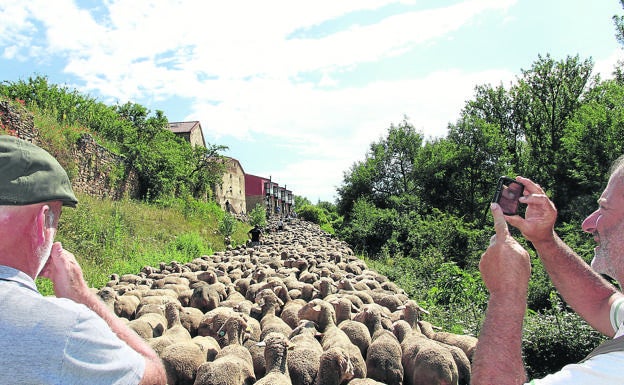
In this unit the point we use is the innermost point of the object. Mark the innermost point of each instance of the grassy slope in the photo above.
(123, 236)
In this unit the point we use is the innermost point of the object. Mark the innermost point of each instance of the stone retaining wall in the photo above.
(93, 169)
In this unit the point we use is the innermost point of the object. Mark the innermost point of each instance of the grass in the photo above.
(121, 237)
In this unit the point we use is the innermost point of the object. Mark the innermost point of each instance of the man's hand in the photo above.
(505, 269)
(505, 266)
(540, 216)
(66, 275)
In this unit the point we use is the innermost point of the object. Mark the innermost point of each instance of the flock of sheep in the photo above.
(299, 309)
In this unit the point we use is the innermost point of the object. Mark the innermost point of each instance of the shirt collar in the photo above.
(10, 274)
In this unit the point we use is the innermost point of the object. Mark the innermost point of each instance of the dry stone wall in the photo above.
(95, 170)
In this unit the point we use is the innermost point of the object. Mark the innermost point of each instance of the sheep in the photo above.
(233, 364)
(322, 313)
(208, 345)
(411, 312)
(175, 329)
(175, 332)
(276, 346)
(357, 332)
(149, 325)
(181, 361)
(465, 342)
(335, 367)
(383, 358)
(150, 308)
(213, 321)
(205, 298)
(305, 357)
(190, 318)
(126, 306)
(271, 322)
(425, 362)
(401, 329)
(290, 312)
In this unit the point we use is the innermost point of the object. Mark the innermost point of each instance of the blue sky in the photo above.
(298, 90)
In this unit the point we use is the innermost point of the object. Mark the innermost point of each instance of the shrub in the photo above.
(554, 338)
(257, 216)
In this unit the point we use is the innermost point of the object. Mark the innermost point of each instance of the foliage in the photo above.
(257, 216)
(301, 201)
(554, 338)
(323, 214)
(226, 225)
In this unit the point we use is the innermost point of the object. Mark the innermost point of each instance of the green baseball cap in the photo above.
(29, 174)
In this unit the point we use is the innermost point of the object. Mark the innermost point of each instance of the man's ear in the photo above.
(41, 222)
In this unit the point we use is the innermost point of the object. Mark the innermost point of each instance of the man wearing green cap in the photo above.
(72, 338)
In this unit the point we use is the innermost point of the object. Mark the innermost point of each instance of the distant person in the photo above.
(280, 225)
(72, 338)
(254, 234)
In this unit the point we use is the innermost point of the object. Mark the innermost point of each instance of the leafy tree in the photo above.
(618, 21)
(387, 170)
(593, 139)
(553, 90)
(301, 201)
(257, 216)
(499, 107)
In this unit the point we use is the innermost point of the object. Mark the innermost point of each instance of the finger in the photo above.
(530, 187)
(500, 224)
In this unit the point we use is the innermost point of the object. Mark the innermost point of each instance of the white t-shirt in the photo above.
(603, 369)
(49, 340)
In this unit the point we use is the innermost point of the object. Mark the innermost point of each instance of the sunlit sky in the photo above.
(298, 90)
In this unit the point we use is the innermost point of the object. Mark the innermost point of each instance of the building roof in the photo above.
(183, 127)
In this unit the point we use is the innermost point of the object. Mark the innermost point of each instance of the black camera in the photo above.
(508, 191)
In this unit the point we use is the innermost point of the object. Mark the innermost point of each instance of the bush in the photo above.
(257, 216)
(555, 338)
(227, 224)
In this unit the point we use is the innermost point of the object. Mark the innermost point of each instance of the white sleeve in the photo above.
(616, 316)
(603, 369)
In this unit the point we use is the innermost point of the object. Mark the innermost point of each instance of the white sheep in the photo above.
(276, 347)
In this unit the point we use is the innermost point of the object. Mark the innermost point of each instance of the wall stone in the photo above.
(98, 171)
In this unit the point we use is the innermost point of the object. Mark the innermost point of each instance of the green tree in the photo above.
(257, 216)
(387, 170)
(553, 90)
(593, 139)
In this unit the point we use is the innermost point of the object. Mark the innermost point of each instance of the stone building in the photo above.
(230, 195)
(191, 131)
